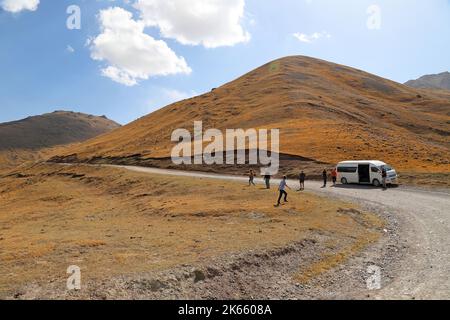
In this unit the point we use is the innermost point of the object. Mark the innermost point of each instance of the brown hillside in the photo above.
(26, 139)
(326, 112)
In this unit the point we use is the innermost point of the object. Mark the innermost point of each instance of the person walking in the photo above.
(334, 176)
(267, 178)
(302, 179)
(325, 178)
(384, 177)
(282, 189)
(251, 176)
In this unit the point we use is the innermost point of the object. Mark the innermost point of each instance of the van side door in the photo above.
(375, 173)
(350, 172)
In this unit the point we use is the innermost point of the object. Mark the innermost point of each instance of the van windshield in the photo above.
(387, 167)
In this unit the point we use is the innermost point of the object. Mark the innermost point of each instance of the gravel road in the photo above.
(424, 217)
(421, 269)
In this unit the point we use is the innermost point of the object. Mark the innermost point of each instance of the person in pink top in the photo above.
(334, 176)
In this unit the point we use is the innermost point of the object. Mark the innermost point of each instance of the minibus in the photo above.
(365, 172)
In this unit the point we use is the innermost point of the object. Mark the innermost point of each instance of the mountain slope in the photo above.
(326, 112)
(25, 139)
(52, 129)
(433, 81)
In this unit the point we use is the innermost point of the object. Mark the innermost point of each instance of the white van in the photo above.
(365, 172)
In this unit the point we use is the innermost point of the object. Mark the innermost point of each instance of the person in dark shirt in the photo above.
(325, 178)
(302, 179)
(267, 178)
(384, 176)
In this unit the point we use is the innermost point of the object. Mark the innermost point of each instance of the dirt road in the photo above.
(423, 218)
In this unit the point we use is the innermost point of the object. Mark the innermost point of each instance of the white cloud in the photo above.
(211, 23)
(19, 5)
(312, 37)
(70, 49)
(131, 54)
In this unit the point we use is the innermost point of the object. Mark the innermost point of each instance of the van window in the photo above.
(347, 169)
(375, 170)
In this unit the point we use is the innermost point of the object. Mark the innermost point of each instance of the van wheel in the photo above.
(344, 181)
(376, 183)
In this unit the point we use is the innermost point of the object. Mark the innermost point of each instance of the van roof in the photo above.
(374, 162)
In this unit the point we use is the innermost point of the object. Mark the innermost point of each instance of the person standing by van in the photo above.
(325, 178)
(282, 189)
(302, 179)
(384, 177)
(334, 176)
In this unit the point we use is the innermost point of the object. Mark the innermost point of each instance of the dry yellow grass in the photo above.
(21, 158)
(114, 222)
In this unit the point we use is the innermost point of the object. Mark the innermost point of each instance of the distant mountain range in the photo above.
(52, 129)
(24, 140)
(432, 81)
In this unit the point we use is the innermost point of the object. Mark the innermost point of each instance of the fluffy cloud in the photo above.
(312, 37)
(211, 23)
(19, 5)
(131, 54)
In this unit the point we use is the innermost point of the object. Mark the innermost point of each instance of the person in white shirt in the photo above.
(282, 189)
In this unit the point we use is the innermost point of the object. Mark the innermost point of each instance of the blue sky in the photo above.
(44, 66)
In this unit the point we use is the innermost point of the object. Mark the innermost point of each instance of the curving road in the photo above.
(424, 271)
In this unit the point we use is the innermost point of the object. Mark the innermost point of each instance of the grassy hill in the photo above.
(326, 112)
(27, 139)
